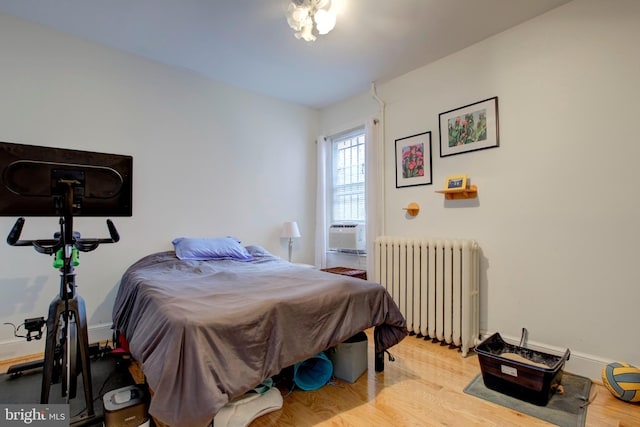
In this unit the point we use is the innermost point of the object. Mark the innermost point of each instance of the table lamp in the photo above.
(290, 230)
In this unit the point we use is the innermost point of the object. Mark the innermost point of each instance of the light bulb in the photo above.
(296, 16)
(325, 21)
(300, 13)
(306, 34)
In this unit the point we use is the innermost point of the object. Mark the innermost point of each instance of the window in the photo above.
(347, 200)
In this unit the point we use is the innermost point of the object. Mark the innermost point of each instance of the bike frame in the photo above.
(67, 306)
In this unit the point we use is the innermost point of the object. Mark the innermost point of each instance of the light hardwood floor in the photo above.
(423, 387)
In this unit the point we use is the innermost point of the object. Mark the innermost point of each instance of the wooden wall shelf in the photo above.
(454, 194)
(412, 209)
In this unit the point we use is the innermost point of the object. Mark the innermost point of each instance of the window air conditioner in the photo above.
(349, 237)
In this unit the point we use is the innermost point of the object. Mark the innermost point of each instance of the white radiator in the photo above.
(435, 283)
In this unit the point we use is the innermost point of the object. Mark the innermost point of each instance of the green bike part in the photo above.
(58, 261)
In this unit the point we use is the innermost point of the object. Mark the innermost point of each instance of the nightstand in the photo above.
(347, 271)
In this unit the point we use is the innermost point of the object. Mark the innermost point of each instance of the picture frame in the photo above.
(457, 183)
(413, 160)
(470, 128)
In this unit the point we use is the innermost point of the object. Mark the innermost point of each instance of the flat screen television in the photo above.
(36, 181)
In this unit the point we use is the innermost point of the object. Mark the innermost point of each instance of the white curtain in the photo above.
(373, 191)
(321, 202)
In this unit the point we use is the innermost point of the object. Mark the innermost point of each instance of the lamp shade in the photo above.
(310, 18)
(290, 230)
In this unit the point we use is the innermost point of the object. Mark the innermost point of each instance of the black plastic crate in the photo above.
(520, 372)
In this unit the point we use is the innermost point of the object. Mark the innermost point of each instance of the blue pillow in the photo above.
(210, 248)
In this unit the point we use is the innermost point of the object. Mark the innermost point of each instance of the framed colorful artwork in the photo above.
(413, 160)
(469, 128)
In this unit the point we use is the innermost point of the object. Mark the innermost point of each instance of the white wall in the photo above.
(557, 214)
(209, 160)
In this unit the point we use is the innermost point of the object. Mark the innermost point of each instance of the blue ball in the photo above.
(622, 380)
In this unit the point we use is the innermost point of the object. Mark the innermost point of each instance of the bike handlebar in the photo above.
(15, 232)
(115, 237)
(51, 246)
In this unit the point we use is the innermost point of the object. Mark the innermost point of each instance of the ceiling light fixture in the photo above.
(310, 18)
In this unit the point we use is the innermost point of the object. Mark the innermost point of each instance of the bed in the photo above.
(207, 330)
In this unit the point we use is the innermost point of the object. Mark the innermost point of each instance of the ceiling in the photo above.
(247, 43)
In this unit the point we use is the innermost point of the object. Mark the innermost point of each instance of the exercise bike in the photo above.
(67, 341)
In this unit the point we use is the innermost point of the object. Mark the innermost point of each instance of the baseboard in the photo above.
(586, 365)
(20, 347)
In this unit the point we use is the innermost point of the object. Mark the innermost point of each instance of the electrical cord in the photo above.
(33, 327)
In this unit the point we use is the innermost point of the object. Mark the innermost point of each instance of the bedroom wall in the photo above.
(556, 215)
(209, 160)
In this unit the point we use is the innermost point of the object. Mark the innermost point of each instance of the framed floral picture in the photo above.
(413, 160)
(469, 128)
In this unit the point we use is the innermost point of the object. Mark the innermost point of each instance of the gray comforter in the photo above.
(208, 331)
